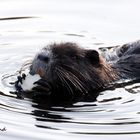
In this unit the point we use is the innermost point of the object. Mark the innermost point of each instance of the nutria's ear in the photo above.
(93, 57)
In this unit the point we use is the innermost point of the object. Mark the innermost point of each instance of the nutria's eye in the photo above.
(43, 58)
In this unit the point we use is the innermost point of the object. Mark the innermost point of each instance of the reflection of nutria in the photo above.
(70, 72)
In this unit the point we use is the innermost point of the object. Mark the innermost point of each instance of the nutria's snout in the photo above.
(39, 65)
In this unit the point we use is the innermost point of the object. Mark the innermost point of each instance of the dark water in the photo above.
(27, 26)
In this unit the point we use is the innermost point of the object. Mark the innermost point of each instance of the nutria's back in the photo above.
(128, 62)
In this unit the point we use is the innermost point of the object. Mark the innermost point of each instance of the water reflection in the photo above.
(112, 116)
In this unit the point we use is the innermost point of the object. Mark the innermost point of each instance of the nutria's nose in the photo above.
(40, 71)
(43, 57)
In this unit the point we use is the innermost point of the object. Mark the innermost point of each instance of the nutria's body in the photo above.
(70, 72)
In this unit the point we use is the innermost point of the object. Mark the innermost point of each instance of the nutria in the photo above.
(70, 72)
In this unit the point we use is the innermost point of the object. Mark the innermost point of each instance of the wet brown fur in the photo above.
(75, 72)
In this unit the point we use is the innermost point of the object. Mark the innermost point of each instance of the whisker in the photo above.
(73, 79)
(60, 75)
(25, 66)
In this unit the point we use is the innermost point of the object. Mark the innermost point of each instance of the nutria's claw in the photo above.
(18, 86)
(20, 78)
(23, 76)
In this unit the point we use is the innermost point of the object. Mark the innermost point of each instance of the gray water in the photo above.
(28, 25)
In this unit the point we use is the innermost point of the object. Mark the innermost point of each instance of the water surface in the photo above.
(27, 26)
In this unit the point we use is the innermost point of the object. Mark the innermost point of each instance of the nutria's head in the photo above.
(71, 70)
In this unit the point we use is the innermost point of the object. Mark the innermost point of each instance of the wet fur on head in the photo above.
(72, 71)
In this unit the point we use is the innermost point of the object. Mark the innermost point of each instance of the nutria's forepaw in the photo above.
(43, 87)
(19, 82)
(43, 82)
(18, 87)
